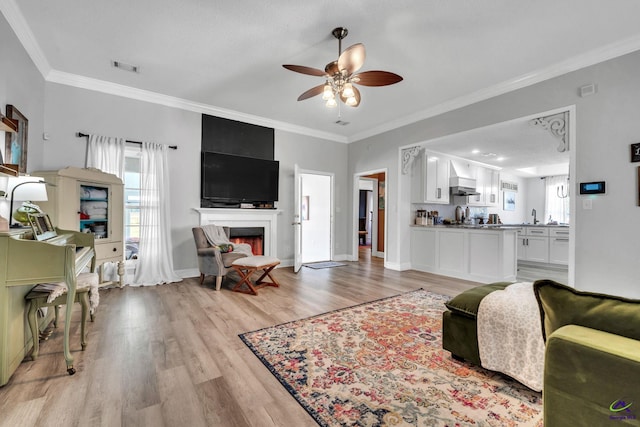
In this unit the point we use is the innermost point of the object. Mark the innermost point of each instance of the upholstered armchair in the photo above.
(211, 261)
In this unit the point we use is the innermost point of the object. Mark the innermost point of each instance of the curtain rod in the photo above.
(84, 135)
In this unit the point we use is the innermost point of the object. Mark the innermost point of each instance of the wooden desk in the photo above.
(24, 263)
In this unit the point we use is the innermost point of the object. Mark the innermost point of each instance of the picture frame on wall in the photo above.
(509, 201)
(635, 152)
(15, 151)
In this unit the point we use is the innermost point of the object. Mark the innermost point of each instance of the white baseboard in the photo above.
(189, 272)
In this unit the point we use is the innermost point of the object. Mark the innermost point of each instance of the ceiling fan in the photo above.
(340, 75)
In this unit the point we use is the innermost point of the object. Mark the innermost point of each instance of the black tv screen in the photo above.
(237, 179)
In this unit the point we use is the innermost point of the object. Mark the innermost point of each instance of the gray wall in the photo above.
(22, 86)
(69, 110)
(607, 239)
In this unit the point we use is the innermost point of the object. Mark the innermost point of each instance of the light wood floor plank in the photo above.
(170, 355)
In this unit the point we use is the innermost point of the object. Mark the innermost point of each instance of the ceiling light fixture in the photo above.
(339, 75)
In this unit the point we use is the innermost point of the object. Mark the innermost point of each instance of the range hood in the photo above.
(462, 186)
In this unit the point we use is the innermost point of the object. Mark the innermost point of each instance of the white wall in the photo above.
(607, 243)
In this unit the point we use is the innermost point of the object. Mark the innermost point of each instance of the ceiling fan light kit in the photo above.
(340, 75)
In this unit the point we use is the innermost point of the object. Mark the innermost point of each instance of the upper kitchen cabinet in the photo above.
(430, 179)
(485, 188)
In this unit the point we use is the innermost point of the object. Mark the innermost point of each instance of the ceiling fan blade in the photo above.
(356, 96)
(352, 58)
(311, 92)
(305, 70)
(376, 78)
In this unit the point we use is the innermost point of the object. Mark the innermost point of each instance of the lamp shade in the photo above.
(26, 188)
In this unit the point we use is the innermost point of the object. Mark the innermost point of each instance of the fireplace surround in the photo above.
(246, 218)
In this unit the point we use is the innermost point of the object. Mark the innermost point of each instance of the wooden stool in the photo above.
(247, 266)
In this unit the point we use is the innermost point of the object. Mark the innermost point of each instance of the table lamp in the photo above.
(25, 188)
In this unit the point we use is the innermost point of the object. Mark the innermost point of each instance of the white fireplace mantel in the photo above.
(265, 218)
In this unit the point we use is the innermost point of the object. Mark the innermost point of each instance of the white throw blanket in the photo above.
(216, 236)
(84, 280)
(510, 334)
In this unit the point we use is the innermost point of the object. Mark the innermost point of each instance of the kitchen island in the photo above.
(483, 254)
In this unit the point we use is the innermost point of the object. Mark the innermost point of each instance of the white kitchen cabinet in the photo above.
(423, 248)
(483, 255)
(430, 179)
(533, 244)
(492, 188)
(559, 246)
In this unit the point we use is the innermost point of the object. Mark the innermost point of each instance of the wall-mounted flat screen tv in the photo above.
(236, 179)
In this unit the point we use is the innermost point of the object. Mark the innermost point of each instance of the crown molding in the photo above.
(575, 63)
(22, 30)
(110, 88)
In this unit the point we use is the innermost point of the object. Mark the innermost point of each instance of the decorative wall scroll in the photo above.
(408, 154)
(557, 125)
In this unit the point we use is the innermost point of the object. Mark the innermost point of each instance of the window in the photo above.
(131, 203)
(557, 199)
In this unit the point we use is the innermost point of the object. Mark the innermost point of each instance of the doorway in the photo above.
(314, 217)
(369, 218)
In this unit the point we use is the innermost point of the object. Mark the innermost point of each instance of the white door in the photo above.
(297, 220)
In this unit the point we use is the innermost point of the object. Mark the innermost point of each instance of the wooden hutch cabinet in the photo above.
(90, 201)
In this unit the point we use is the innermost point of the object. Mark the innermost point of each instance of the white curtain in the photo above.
(155, 261)
(107, 154)
(155, 264)
(557, 199)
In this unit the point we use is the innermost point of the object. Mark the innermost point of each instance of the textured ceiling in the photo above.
(227, 55)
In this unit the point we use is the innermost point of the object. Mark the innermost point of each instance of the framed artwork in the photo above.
(509, 201)
(15, 149)
(635, 152)
(381, 185)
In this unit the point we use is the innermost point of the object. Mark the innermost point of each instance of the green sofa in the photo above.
(592, 357)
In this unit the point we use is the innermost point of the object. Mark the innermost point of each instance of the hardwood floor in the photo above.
(170, 355)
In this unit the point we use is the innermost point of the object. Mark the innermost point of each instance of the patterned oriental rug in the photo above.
(382, 364)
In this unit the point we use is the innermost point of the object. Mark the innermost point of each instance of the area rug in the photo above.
(327, 264)
(382, 364)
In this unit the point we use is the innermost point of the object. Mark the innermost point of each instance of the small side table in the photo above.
(247, 266)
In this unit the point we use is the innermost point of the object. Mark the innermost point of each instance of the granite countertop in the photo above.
(487, 226)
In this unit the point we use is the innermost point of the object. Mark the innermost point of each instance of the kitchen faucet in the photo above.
(535, 221)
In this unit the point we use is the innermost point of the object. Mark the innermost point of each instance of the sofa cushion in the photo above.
(467, 302)
(562, 305)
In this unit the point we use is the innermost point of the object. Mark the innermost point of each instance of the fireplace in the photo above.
(266, 219)
(253, 236)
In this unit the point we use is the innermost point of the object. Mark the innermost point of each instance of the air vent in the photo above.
(126, 67)
(341, 123)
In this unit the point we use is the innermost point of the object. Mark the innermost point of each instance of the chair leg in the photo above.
(201, 279)
(218, 282)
